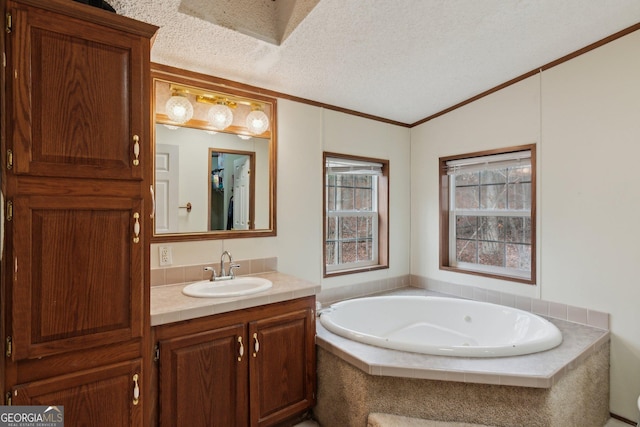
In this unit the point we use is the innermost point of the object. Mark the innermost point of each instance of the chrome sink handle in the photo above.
(231, 272)
(213, 273)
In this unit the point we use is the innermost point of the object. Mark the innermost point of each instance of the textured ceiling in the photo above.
(268, 20)
(402, 60)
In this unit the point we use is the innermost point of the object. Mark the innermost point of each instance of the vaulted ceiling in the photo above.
(401, 60)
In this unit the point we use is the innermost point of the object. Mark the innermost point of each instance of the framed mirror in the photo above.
(215, 158)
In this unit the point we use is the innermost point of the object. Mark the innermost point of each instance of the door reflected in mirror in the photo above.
(231, 195)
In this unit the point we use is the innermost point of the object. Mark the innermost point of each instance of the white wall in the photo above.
(298, 244)
(584, 116)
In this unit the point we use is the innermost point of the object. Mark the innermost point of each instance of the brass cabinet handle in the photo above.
(256, 344)
(241, 349)
(153, 201)
(136, 390)
(136, 227)
(136, 150)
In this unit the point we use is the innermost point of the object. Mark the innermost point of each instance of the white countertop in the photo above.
(169, 304)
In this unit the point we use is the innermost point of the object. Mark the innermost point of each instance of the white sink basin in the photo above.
(227, 288)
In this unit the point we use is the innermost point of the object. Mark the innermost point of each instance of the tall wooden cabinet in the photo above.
(76, 182)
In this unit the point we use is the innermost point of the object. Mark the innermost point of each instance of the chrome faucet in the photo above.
(229, 274)
(222, 275)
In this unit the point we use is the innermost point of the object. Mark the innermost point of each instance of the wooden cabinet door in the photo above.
(78, 96)
(77, 280)
(203, 379)
(101, 397)
(282, 366)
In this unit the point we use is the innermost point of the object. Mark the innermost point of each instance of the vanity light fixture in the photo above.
(224, 107)
(220, 116)
(257, 121)
(245, 137)
(171, 127)
(178, 108)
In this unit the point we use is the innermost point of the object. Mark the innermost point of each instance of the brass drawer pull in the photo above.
(136, 150)
(241, 349)
(256, 344)
(136, 227)
(136, 390)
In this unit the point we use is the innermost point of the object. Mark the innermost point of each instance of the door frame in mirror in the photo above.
(165, 73)
(252, 186)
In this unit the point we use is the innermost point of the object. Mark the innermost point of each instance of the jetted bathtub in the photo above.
(441, 326)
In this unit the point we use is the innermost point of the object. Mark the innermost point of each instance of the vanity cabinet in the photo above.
(253, 367)
(76, 182)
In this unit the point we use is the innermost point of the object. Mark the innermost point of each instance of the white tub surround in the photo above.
(373, 287)
(169, 304)
(565, 386)
(541, 307)
(539, 370)
(441, 326)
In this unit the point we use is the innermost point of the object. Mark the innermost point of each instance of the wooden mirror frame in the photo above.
(205, 82)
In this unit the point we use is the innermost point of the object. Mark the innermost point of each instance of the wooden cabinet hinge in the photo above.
(9, 159)
(9, 210)
(156, 353)
(8, 349)
(7, 399)
(8, 24)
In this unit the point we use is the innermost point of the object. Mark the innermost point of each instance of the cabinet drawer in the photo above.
(101, 397)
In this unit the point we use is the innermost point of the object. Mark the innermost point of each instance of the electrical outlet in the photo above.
(165, 255)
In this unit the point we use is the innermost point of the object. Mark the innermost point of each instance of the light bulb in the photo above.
(220, 116)
(179, 109)
(257, 122)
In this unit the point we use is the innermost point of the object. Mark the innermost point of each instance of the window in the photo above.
(355, 214)
(487, 213)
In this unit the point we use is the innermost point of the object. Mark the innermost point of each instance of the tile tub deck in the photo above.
(545, 381)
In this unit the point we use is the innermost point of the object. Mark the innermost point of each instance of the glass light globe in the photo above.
(220, 116)
(257, 122)
(179, 109)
